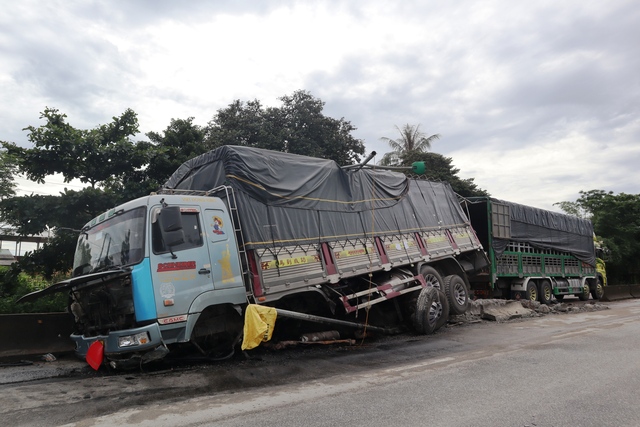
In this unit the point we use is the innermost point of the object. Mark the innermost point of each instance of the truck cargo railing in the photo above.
(522, 260)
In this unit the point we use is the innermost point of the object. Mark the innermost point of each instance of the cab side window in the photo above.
(192, 234)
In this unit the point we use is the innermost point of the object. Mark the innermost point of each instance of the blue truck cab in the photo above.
(148, 270)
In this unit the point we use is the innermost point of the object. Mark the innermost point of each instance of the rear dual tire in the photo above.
(457, 294)
(546, 292)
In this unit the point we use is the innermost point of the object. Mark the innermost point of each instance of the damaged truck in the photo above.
(238, 227)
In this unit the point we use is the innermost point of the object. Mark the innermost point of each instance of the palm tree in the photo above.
(411, 141)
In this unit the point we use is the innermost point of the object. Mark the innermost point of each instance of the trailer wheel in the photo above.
(545, 292)
(598, 290)
(584, 295)
(426, 314)
(431, 276)
(532, 291)
(457, 294)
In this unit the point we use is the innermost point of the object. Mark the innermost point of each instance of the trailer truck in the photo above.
(241, 227)
(534, 254)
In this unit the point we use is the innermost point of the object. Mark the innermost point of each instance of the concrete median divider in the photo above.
(634, 290)
(618, 292)
(30, 334)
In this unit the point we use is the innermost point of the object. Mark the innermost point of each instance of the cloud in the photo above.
(535, 100)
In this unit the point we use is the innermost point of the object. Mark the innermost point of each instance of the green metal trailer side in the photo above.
(534, 254)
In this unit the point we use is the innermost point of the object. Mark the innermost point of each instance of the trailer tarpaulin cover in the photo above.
(286, 199)
(549, 230)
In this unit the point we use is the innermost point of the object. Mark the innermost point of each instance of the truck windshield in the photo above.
(116, 242)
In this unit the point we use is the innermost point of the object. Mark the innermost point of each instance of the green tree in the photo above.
(309, 132)
(298, 126)
(574, 209)
(412, 141)
(247, 124)
(440, 168)
(102, 155)
(8, 170)
(180, 141)
(60, 215)
(616, 220)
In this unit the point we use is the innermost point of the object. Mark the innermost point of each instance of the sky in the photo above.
(534, 100)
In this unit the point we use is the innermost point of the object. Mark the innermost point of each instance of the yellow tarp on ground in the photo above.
(259, 322)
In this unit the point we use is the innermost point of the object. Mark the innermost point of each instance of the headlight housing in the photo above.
(133, 340)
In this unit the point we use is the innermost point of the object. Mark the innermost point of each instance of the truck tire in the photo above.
(431, 276)
(425, 318)
(584, 295)
(532, 291)
(598, 291)
(457, 294)
(217, 332)
(443, 307)
(546, 292)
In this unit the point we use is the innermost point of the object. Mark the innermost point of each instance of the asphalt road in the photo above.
(574, 369)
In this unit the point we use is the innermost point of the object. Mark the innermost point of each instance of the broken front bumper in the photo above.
(118, 344)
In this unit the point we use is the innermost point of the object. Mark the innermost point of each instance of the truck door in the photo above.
(223, 251)
(178, 281)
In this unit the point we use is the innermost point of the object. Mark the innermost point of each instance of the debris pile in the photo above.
(504, 310)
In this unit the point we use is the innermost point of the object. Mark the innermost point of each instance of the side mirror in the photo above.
(170, 222)
(170, 218)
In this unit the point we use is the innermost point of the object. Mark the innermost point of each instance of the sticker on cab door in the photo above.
(217, 225)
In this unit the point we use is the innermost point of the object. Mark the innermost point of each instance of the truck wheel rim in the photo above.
(432, 281)
(460, 294)
(435, 311)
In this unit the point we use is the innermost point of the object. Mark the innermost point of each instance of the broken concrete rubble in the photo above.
(504, 310)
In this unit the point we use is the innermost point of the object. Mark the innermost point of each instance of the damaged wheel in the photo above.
(217, 332)
(426, 315)
(442, 305)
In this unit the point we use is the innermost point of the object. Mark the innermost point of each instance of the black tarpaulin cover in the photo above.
(285, 199)
(549, 230)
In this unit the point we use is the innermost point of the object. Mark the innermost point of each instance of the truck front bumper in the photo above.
(119, 344)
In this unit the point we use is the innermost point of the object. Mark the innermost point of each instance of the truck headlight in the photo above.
(131, 340)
